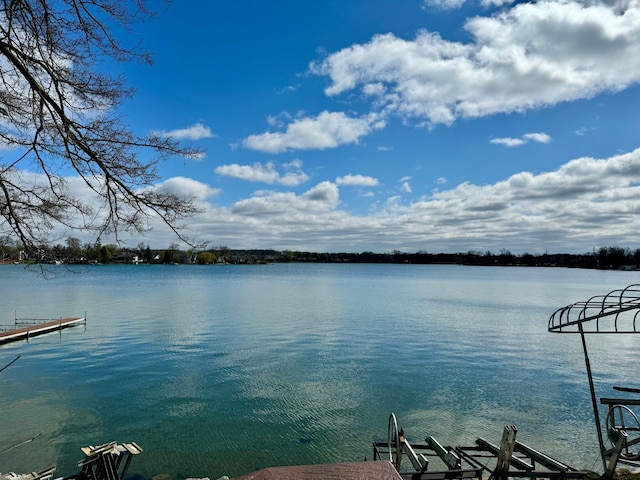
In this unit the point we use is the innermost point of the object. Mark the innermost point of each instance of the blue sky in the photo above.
(352, 125)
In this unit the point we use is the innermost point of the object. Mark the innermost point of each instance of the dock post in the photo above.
(507, 445)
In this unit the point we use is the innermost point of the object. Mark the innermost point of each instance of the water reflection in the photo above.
(217, 371)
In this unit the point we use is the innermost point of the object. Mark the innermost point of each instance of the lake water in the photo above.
(221, 370)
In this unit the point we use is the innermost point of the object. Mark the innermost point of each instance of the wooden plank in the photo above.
(505, 454)
(379, 470)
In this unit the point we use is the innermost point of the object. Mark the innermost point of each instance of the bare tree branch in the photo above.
(58, 115)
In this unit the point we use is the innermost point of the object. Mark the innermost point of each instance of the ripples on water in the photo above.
(221, 370)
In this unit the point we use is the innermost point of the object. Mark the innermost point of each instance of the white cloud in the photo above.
(357, 181)
(444, 4)
(4, 146)
(197, 131)
(405, 187)
(295, 163)
(324, 194)
(516, 142)
(252, 173)
(495, 3)
(279, 120)
(327, 130)
(508, 141)
(196, 156)
(183, 187)
(585, 202)
(322, 197)
(266, 173)
(532, 55)
(188, 188)
(526, 212)
(292, 179)
(537, 137)
(581, 181)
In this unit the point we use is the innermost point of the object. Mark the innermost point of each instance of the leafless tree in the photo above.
(59, 120)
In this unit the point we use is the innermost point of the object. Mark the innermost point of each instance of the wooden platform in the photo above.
(24, 330)
(380, 470)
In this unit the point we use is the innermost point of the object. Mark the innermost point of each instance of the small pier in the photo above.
(25, 328)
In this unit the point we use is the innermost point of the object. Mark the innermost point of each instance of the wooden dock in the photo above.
(381, 470)
(25, 328)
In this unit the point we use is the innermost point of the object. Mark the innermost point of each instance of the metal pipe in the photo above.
(593, 398)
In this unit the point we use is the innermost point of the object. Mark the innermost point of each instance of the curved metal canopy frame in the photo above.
(615, 312)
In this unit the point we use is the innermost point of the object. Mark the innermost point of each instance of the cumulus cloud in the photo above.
(508, 141)
(325, 194)
(357, 181)
(533, 55)
(292, 179)
(495, 3)
(585, 202)
(537, 137)
(295, 163)
(516, 142)
(327, 130)
(197, 131)
(187, 188)
(322, 197)
(266, 173)
(603, 187)
(525, 212)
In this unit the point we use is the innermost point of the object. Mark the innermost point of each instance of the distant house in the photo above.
(126, 257)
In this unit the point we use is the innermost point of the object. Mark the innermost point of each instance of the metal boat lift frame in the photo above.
(433, 461)
(617, 312)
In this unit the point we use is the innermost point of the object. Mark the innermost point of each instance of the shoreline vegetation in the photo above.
(74, 253)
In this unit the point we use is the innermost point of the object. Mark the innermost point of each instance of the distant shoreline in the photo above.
(606, 258)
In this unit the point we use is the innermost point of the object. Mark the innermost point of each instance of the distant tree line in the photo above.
(74, 252)
(604, 258)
